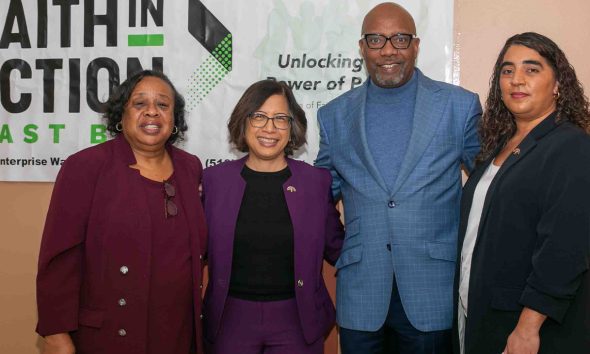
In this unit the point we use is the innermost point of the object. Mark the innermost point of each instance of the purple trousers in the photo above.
(262, 327)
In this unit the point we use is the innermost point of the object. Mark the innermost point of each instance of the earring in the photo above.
(119, 127)
(175, 130)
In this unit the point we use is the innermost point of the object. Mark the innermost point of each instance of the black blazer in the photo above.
(533, 244)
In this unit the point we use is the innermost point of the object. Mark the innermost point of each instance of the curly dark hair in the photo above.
(497, 123)
(114, 108)
(250, 102)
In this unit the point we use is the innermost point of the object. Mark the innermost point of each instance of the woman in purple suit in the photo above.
(272, 222)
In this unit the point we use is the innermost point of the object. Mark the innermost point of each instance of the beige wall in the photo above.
(22, 211)
(481, 27)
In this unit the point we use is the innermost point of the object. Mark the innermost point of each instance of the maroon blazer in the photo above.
(96, 247)
(318, 235)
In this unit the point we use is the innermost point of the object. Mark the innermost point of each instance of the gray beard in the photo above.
(391, 81)
(394, 81)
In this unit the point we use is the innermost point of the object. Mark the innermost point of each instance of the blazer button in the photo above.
(300, 283)
(124, 270)
(201, 316)
(391, 204)
(122, 302)
(122, 332)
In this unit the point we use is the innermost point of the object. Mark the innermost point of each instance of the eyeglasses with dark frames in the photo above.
(170, 208)
(280, 121)
(398, 40)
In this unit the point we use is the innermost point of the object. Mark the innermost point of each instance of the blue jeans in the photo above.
(397, 336)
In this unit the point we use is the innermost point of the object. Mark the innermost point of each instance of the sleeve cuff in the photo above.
(545, 304)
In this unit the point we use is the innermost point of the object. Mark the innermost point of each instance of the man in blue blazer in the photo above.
(395, 146)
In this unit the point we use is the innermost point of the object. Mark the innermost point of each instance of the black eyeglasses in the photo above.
(170, 208)
(398, 40)
(259, 120)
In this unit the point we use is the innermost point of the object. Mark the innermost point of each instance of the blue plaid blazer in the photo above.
(411, 229)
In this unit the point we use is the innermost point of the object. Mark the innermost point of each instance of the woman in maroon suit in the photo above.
(272, 222)
(120, 262)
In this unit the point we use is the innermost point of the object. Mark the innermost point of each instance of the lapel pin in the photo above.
(291, 189)
(516, 152)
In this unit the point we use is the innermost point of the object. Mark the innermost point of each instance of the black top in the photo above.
(262, 266)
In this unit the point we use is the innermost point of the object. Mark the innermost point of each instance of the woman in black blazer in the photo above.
(523, 284)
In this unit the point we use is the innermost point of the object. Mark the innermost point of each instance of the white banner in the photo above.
(58, 63)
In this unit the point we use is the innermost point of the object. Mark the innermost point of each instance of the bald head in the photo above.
(388, 10)
(389, 66)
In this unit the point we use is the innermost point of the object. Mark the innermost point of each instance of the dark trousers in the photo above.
(397, 336)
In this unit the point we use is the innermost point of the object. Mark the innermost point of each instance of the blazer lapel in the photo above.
(138, 219)
(525, 147)
(428, 111)
(518, 154)
(467, 198)
(294, 190)
(187, 186)
(358, 135)
(234, 193)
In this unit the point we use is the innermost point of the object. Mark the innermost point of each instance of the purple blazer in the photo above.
(318, 235)
(96, 249)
